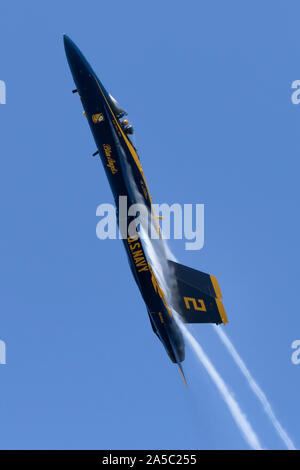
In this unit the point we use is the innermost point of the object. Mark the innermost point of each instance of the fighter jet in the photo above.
(195, 296)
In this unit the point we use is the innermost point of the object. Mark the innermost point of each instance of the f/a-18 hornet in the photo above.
(197, 295)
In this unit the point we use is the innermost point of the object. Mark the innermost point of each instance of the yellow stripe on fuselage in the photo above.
(134, 155)
(159, 290)
(137, 161)
(128, 143)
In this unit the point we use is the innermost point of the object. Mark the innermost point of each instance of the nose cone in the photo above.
(66, 39)
(78, 64)
(70, 47)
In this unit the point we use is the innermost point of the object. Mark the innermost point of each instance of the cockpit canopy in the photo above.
(120, 113)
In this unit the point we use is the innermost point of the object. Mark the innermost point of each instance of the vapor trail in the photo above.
(155, 252)
(251, 381)
(255, 388)
(234, 408)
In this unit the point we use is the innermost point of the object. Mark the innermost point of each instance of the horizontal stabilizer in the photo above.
(197, 296)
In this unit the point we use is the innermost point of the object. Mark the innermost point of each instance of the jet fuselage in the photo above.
(126, 178)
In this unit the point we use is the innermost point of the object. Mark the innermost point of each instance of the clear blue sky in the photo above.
(207, 85)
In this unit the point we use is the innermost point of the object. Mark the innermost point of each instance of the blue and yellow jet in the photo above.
(197, 295)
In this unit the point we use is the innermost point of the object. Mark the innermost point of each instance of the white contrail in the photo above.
(255, 388)
(155, 252)
(251, 381)
(234, 408)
